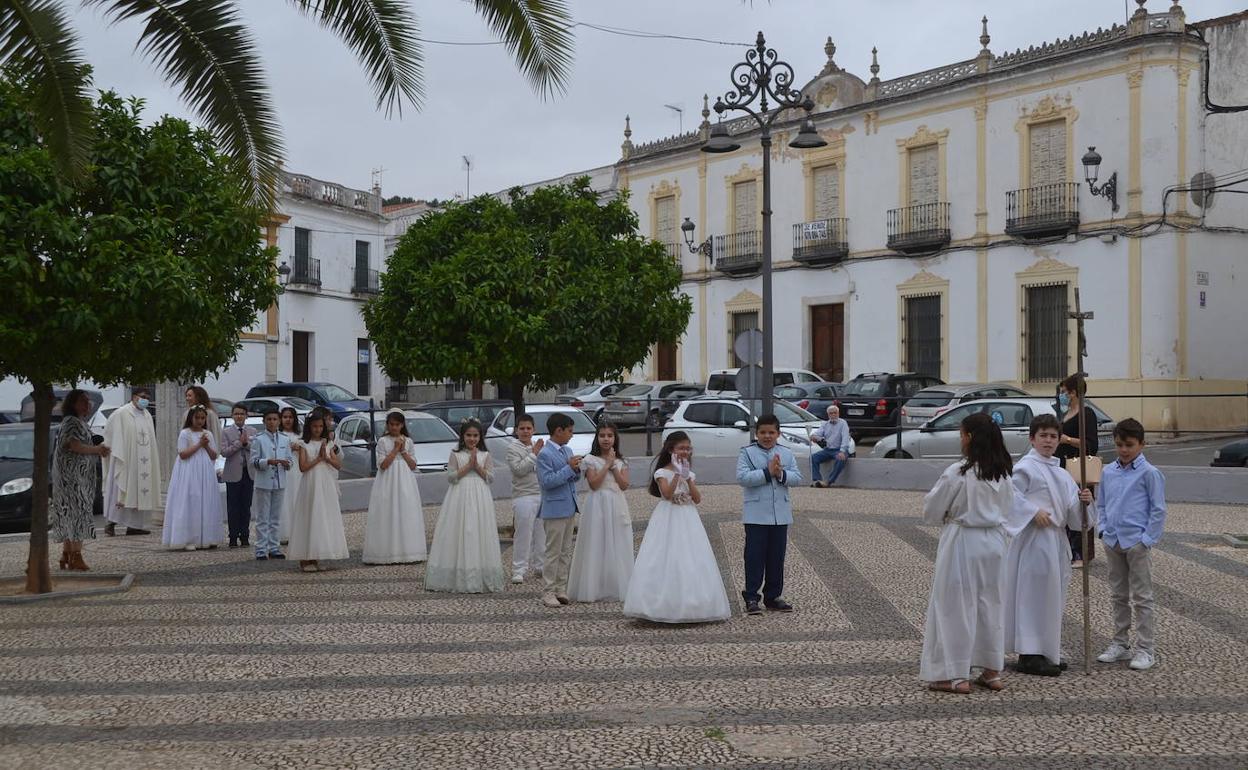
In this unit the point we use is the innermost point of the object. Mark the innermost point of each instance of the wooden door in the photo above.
(301, 353)
(665, 361)
(827, 341)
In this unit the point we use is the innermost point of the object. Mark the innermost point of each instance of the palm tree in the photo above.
(205, 51)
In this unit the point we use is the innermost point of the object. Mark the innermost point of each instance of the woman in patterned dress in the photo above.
(74, 481)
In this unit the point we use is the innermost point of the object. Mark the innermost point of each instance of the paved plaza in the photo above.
(213, 660)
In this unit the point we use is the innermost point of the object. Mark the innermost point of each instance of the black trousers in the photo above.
(238, 507)
(764, 561)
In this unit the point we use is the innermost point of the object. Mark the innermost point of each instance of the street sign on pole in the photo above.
(749, 346)
(751, 383)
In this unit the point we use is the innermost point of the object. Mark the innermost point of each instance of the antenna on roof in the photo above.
(468, 182)
(680, 116)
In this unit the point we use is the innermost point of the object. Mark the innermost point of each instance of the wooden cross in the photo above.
(1082, 350)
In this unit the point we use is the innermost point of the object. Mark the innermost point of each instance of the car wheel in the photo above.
(894, 454)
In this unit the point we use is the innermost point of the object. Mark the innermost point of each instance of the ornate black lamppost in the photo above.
(763, 89)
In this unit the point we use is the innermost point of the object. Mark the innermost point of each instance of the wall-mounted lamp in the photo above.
(704, 248)
(1091, 170)
(283, 277)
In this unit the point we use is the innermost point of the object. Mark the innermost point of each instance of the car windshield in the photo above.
(788, 413)
(930, 399)
(335, 393)
(864, 388)
(423, 430)
(723, 381)
(632, 391)
(299, 404)
(17, 444)
(587, 390)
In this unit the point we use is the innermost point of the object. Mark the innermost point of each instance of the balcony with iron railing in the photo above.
(1042, 211)
(674, 252)
(919, 228)
(306, 272)
(366, 282)
(821, 242)
(739, 253)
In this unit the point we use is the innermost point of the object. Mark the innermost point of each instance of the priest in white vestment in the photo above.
(132, 471)
(1046, 503)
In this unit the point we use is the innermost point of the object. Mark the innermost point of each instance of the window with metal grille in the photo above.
(741, 322)
(303, 243)
(827, 185)
(363, 361)
(1046, 333)
(922, 342)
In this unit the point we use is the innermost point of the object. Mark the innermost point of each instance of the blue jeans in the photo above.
(823, 456)
(266, 513)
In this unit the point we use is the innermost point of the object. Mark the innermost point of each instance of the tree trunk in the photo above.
(517, 396)
(38, 576)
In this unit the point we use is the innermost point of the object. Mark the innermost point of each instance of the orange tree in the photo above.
(554, 285)
(147, 267)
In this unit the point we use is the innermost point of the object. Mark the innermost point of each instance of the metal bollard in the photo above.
(372, 440)
(646, 417)
(897, 416)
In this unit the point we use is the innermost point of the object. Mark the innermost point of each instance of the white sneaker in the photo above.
(1142, 661)
(1114, 653)
(517, 578)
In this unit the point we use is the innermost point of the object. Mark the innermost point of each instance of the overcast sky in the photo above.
(478, 105)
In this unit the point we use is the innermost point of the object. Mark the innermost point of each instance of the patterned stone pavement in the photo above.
(213, 660)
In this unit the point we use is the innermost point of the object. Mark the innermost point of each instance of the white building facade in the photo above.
(947, 225)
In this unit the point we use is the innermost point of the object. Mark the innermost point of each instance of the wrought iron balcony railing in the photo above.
(821, 242)
(922, 227)
(1044, 210)
(366, 281)
(307, 272)
(739, 253)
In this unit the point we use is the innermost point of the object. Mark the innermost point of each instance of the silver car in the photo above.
(592, 398)
(433, 439)
(941, 437)
(936, 400)
(642, 404)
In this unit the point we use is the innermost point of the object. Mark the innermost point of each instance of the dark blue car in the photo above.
(338, 400)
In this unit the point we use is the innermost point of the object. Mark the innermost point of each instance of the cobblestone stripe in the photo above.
(964, 709)
(865, 606)
(1028, 761)
(1185, 547)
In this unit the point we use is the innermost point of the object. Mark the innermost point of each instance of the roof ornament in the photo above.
(830, 49)
(704, 128)
(626, 149)
(984, 38)
(873, 85)
(983, 61)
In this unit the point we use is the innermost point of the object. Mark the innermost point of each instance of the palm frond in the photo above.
(385, 38)
(37, 43)
(538, 34)
(201, 46)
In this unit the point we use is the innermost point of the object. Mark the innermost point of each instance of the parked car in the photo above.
(814, 397)
(935, 401)
(433, 439)
(503, 426)
(592, 398)
(338, 400)
(100, 418)
(941, 437)
(1232, 455)
(94, 397)
(719, 426)
(256, 407)
(223, 408)
(723, 381)
(641, 404)
(454, 412)
(10, 415)
(871, 402)
(669, 405)
(17, 471)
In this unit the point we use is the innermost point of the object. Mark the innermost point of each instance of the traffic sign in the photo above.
(749, 346)
(750, 382)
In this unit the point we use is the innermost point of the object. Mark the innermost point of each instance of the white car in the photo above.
(940, 438)
(100, 419)
(719, 427)
(433, 441)
(256, 407)
(724, 381)
(591, 398)
(583, 429)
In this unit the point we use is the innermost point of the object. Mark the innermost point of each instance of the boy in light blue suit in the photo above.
(558, 470)
(765, 471)
(271, 460)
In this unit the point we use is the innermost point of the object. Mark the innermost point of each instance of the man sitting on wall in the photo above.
(833, 436)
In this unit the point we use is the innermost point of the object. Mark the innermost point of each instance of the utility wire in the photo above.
(621, 31)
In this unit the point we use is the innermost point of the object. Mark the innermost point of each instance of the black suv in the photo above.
(870, 402)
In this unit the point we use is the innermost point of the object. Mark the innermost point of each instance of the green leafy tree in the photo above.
(555, 286)
(204, 50)
(146, 269)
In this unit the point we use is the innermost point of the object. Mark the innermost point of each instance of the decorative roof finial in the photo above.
(830, 49)
(984, 38)
(1141, 11)
(704, 128)
(1175, 8)
(875, 64)
(626, 149)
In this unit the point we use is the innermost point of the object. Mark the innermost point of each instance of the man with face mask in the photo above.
(132, 474)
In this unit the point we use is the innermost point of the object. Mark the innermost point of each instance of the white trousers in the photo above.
(529, 540)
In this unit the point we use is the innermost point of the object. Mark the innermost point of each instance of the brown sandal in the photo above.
(990, 682)
(957, 686)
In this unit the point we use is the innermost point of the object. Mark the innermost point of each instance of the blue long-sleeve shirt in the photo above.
(1131, 504)
(835, 435)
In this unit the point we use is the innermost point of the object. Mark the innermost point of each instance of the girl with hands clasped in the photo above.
(676, 578)
(193, 512)
(316, 530)
(395, 533)
(603, 561)
(465, 557)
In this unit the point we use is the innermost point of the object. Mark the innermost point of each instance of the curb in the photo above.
(126, 579)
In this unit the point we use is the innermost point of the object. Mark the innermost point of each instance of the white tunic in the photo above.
(132, 472)
(395, 531)
(1038, 562)
(964, 627)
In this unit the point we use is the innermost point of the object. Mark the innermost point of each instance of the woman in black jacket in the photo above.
(1069, 404)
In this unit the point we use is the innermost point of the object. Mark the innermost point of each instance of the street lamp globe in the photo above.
(686, 229)
(720, 140)
(807, 137)
(1091, 165)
